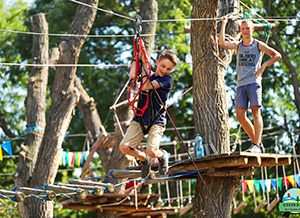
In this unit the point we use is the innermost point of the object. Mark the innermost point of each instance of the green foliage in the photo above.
(12, 79)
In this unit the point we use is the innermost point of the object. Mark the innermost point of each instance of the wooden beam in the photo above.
(96, 190)
(123, 174)
(42, 193)
(110, 187)
(269, 162)
(78, 193)
(17, 196)
(185, 209)
(209, 164)
(228, 172)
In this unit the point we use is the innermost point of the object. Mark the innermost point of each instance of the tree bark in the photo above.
(35, 105)
(213, 195)
(64, 98)
(149, 11)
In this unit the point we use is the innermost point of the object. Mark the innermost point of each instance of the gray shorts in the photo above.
(248, 93)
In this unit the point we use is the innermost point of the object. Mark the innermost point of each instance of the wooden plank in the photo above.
(269, 162)
(27, 191)
(78, 193)
(110, 187)
(248, 154)
(133, 174)
(228, 172)
(17, 196)
(185, 209)
(153, 213)
(96, 190)
(209, 164)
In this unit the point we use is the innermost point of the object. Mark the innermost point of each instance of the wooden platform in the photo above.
(222, 165)
(237, 160)
(122, 203)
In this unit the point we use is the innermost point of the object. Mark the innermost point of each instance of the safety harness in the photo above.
(139, 53)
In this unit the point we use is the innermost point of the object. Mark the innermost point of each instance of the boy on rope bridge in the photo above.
(249, 75)
(153, 121)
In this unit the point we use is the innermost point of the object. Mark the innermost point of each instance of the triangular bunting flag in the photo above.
(292, 180)
(66, 159)
(73, 158)
(279, 181)
(268, 184)
(244, 186)
(257, 185)
(263, 185)
(1, 156)
(273, 184)
(250, 184)
(286, 182)
(82, 158)
(79, 159)
(86, 154)
(6, 146)
(297, 179)
(76, 159)
(70, 156)
(61, 159)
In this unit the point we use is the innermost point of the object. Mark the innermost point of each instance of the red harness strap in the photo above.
(138, 71)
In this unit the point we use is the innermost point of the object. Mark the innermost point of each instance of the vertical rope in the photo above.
(263, 179)
(254, 196)
(266, 177)
(135, 195)
(168, 193)
(180, 186)
(118, 122)
(190, 191)
(296, 162)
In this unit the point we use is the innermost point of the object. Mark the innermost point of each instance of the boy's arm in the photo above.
(148, 84)
(275, 56)
(225, 44)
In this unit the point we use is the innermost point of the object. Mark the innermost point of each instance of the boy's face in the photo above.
(247, 29)
(163, 67)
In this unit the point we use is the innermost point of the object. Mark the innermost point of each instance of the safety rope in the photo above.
(141, 59)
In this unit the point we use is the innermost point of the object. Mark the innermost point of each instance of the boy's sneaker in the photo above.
(163, 161)
(256, 148)
(146, 168)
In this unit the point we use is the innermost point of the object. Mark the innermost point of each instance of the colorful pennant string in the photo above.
(265, 185)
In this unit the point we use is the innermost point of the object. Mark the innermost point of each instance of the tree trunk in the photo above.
(213, 195)
(64, 98)
(35, 106)
(149, 11)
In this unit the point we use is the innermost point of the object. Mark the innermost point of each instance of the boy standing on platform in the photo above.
(249, 75)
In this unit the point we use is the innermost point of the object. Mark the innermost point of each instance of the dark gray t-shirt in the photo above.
(247, 63)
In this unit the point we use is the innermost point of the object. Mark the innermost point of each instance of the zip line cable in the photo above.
(62, 65)
(71, 35)
(101, 9)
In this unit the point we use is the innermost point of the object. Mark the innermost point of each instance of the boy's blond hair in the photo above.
(168, 54)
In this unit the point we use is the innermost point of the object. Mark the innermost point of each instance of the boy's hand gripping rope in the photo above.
(140, 57)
